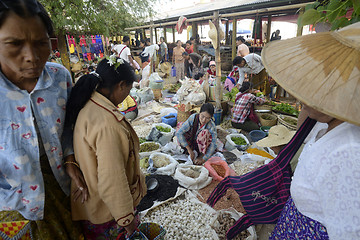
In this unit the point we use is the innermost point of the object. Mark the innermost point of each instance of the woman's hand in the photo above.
(76, 175)
(199, 161)
(191, 153)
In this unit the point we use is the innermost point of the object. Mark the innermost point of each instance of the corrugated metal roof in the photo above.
(208, 7)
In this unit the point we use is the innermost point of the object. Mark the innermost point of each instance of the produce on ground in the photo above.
(160, 161)
(291, 121)
(219, 170)
(226, 124)
(144, 162)
(259, 152)
(168, 187)
(182, 219)
(191, 172)
(286, 108)
(163, 129)
(242, 168)
(226, 222)
(142, 140)
(172, 88)
(230, 199)
(239, 140)
(149, 147)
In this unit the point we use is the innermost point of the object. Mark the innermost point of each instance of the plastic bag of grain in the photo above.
(161, 163)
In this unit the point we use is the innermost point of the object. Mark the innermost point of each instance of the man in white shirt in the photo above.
(123, 50)
(252, 65)
(163, 50)
(242, 49)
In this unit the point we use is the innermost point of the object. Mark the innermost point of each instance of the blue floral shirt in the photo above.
(21, 182)
(188, 124)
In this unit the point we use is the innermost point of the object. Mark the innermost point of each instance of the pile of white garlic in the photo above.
(244, 167)
(183, 219)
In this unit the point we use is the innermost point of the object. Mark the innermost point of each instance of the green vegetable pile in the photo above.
(232, 95)
(239, 140)
(144, 162)
(259, 94)
(148, 147)
(173, 87)
(267, 116)
(286, 108)
(162, 129)
(142, 140)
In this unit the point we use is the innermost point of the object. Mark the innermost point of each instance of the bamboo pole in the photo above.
(218, 89)
(228, 15)
(233, 41)
(156, 36)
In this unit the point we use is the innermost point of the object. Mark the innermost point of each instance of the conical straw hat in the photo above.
(322, 70)
(278, 135)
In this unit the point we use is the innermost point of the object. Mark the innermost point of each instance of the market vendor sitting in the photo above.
(277, 139)
(198, 133)
(211, 72)
(129, 108)
(243, 115)
(232, 79)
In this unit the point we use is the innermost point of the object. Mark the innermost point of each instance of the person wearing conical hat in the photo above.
(323, 71)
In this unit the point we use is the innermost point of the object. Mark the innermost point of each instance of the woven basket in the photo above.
(265, 122)
(152, 231)
(285, 123)
(157, 94)
(263, 107)
(182, 116)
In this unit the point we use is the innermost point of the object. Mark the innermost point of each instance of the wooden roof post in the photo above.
(268, 30)
(151, 32)
(233, 41)
(165, 38)
(227, 33)
(173, 32)
(156, 36)
(194, 33)
(218, 90)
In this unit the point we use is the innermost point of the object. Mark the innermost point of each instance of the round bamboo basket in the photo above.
(263, 107)
(157, 94)
(182, 116)
(282, 120)
(265, 122)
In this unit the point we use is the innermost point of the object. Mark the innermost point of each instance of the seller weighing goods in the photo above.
(192, 177)
(241, 142)
(161, 133)
(161, 163)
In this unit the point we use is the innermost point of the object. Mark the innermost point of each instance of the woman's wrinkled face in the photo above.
(318, 116)
(24, 47)
(204, 118)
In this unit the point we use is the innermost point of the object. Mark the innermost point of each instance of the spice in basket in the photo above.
(219, 170)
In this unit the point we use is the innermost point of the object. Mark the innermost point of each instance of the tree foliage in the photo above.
(331, 11)
(97, 16)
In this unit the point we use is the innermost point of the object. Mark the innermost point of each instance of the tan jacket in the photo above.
(107, 150)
